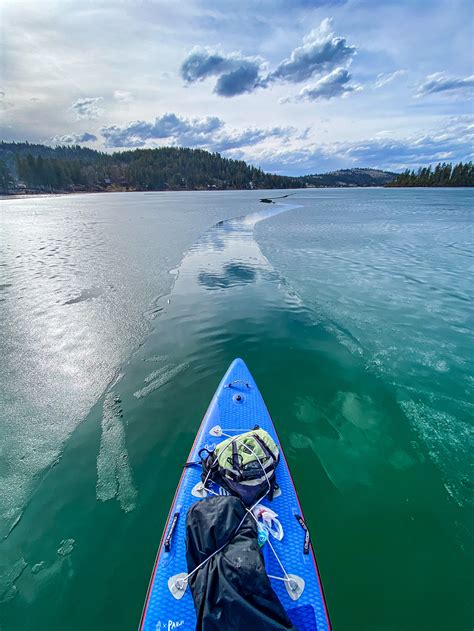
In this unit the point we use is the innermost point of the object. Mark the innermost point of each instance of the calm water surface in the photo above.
(353, 309)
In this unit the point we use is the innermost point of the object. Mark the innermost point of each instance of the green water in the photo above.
(353, 309)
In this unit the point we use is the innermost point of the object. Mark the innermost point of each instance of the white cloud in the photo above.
(236, 74)
(125, 97)
(334, 84)
(73, 139)
(208, 133)
(180, 130)
(87, 108)
(321, 51)
(440, 82)
(384, 78)
(452, 141)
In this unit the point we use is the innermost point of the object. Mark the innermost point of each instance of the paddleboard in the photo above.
(236, 407)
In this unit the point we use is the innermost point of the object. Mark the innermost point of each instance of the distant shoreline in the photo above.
(7, 196)
(33, 168)
(171, 190)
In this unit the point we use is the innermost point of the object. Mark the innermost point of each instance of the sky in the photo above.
(292, 86)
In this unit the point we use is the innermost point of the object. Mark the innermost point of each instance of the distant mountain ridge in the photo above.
(29, 167)
(350, 177)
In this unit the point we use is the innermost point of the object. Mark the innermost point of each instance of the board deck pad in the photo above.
(162, 610)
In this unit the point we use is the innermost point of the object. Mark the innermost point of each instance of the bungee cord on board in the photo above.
(293, 583)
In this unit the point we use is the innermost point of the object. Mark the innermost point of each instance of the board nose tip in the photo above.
(239, 370)
(238, 361)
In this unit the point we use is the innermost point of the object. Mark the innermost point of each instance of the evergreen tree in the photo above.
(444, 174)
(5, 179)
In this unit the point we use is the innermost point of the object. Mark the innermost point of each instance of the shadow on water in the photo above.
(85, 545)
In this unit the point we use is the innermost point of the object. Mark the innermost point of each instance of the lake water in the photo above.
(121, 312)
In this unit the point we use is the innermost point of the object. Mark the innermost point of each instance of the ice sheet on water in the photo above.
(351, 438)
(387, 273)
(10, 572)
(450, 441)
(114, 474)
(58, 358)
(38, 567)
(157, 374)
(154, 358)
(66, 547)
(158, 378)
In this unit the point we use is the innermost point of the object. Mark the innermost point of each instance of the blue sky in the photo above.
(293, 86)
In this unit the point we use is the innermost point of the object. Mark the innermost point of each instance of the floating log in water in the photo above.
(269, 200)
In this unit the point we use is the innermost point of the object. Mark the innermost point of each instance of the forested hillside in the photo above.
(26, 167)
(443, 174)
(350, 177)
(36, 167)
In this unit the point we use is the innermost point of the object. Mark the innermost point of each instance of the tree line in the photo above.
(35, 167)
(72, 168)
(443, 174)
